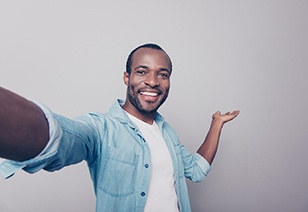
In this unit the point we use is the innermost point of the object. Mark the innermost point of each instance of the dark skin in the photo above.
(148, 83)
(209, 146)
(151, 73)
(24, 129)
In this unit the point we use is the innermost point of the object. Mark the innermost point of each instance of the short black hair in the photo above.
(147, 45)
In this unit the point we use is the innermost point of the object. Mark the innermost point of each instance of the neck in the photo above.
(145, 117)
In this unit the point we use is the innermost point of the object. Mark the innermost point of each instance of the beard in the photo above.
(134, 100)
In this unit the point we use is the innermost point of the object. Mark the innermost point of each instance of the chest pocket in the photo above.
(118, 175)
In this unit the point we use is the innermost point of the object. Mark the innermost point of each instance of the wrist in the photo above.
(217, 123)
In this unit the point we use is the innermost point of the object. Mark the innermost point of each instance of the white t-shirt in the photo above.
(161, 195)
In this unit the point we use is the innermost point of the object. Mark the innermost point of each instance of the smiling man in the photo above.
(135, 159)
(148, 80)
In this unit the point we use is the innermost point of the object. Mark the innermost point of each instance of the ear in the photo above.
(126, 77)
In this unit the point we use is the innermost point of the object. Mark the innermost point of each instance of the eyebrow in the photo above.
(146, 67)
(142, 66)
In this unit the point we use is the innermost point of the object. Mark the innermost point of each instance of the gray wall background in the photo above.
(247, 55)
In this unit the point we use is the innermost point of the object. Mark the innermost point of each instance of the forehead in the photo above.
(151, 57)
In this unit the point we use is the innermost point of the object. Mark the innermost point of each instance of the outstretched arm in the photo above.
(23, 128)
(209, 146)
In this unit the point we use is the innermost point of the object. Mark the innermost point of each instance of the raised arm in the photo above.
(23, 128)
(209, 147)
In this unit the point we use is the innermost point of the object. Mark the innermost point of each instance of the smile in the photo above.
(149, 93)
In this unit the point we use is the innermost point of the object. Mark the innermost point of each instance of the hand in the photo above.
(224, 118)
(209, 146)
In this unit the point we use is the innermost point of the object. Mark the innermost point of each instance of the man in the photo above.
(135, 159)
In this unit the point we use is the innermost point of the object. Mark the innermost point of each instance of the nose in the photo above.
(151, 80)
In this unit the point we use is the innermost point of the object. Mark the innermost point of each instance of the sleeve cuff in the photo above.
(202, 163)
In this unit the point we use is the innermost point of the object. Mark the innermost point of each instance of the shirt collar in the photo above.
(117, 112)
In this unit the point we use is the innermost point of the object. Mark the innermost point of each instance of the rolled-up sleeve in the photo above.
(202, 163)
(196, 168)
(9, 167)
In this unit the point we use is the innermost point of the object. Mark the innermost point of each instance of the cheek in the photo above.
(132, 88)
(166, 85)
(133, 79)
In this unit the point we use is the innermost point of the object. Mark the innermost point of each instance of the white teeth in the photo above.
(149, 93)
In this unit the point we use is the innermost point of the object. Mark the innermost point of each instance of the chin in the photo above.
(148, 110)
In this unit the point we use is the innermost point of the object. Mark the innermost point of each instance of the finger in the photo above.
(235, 112)
(217, 113)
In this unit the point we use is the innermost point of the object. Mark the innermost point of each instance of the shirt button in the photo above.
(142, 194)
(146, 165)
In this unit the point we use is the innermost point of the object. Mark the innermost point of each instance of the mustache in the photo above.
(151, 89)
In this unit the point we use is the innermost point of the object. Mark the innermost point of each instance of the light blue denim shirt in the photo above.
(118, 157)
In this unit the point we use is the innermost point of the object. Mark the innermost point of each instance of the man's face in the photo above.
(148, 83)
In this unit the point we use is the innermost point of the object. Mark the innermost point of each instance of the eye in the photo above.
(141, 72)
(164, 75)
